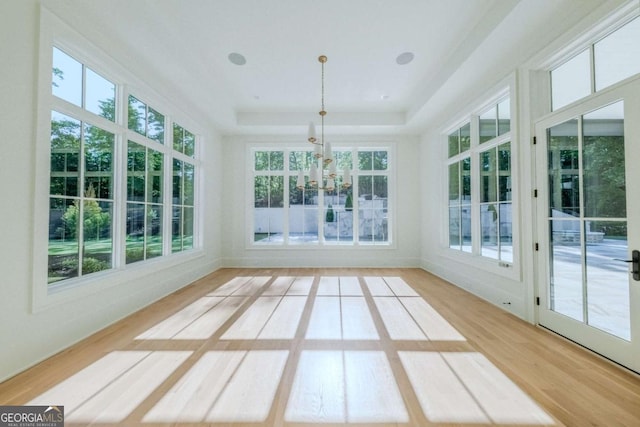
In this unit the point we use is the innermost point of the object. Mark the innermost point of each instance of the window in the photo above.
(96, 94)
(604, 63)
(85, 203)
(495, 203)
(482, 203)
(145, 120)
(80, 198)
(144, 203)
(284, 214)
(183, 206)
(460, 189)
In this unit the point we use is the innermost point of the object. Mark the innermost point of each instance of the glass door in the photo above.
(589, 224)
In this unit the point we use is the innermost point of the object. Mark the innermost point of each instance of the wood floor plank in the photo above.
(207, 324)
(500, 398)
(177, 322)
(443, 398)
(329, 286)
(357, 323)
(378, 287)
(279, 286)
(325, 323)
(249, 325)
(317, 394)
(193, 396)
(301, 286)
(79, 387)
(115, 402)
(399, 324)
(284, 321)
(399, 287)
(248, 396)
(350, 286)
(372, 392)
(435, 327)
(231, 286)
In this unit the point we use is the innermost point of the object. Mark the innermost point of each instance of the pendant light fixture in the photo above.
(322, 173)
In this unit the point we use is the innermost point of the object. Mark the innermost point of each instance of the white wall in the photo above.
(237, 198)
(27, 335)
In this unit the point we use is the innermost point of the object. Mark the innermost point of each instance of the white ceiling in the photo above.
(187, 42)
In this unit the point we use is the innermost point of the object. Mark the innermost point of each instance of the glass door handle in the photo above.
(635, 264)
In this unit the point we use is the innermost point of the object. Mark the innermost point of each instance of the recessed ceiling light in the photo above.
(237, 58)
(404, 58)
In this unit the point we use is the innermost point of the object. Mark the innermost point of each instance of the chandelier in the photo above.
(322, 173)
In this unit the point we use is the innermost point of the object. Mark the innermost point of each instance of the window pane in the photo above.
(187, 237)
(617, 56)
(189, 143)
(506, 232)
(261, 160)
(177, 182)
(137, 115)
(604, 163)
(454, 144)
(465, 137)
(566, 265)
(276, 191)
(365, 160)
(488, 125)
(97, 236)
(454, 183)
(343, 160)
(136, 172)
(372, 211)
(178, 138)
(504, 117)
(98, 152)
(380, 160)
(66, 78)
(176, 229)
(300, 160)
(454, 227)
(465, 227)
(489, 230)
(466, 180)
(607, 279)
(276, 160)
(504, 172)
(135, 233)
(100, 96)
(571, 81)
(155, 127)
(189, 182)
(303, 214)
(65, 152)
(63, 239)
(155, 177)
(154, 231)
(488, 190)
(261, 191)
(564, 183)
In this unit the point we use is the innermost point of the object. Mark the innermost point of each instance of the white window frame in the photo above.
(505, 89)
(354, 147)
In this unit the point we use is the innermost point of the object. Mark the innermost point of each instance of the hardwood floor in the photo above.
(332, 347)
